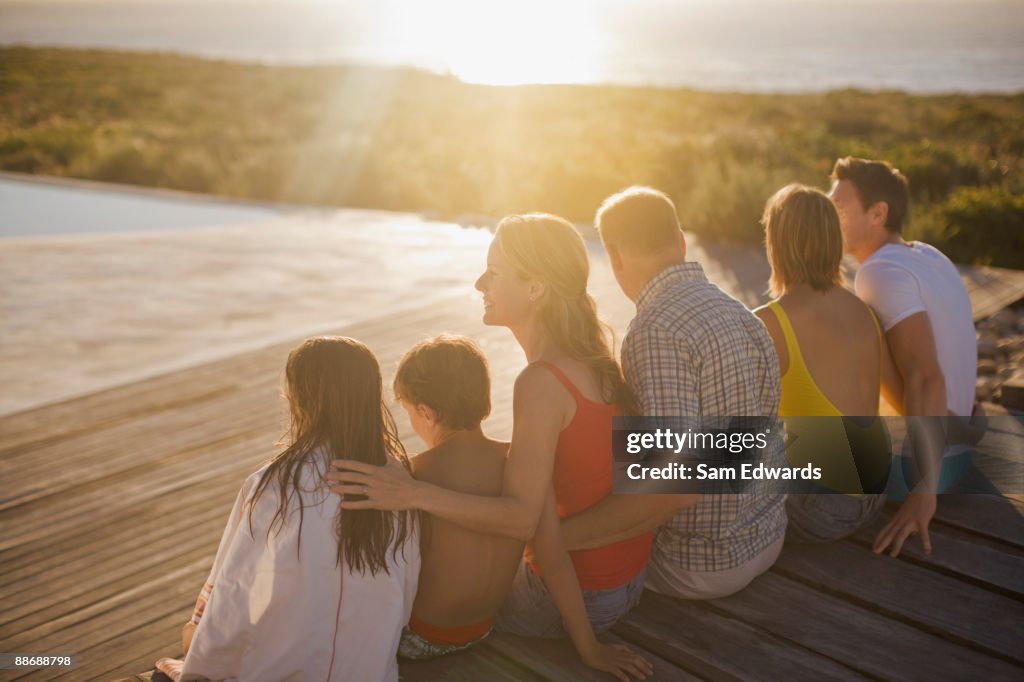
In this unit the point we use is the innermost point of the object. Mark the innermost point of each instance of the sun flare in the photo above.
(503, 42)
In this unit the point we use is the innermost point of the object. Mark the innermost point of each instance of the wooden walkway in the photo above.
(111, 506)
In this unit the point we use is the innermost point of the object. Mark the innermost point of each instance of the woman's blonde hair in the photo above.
(803, 239)
(548, 249)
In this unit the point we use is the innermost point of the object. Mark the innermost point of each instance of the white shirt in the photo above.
(899, 281)
(281, 610)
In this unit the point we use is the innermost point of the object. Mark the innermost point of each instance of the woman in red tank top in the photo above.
(582, 478)
(560, 457)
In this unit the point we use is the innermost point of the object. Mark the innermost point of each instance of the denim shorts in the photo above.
(827, 517)
(529, 610)
(413, 647)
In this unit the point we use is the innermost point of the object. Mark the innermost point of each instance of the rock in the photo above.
(1013, 394)
(985, 388)
(987, 366)
(988, 345)
(1011, 344)
(1001, 357)
(1004, 322)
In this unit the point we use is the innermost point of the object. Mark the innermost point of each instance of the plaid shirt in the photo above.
(693, 350)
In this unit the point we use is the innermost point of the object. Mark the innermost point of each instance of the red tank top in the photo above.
(582, 478)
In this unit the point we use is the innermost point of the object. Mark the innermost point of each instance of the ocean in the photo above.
(921, 46)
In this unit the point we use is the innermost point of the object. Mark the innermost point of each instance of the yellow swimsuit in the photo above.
(857, 455)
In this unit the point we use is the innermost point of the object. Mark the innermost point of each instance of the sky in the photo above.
(773, 45)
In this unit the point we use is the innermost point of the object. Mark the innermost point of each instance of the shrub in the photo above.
(129, 161)
(933, 170)
(727, 201)
(980, 225)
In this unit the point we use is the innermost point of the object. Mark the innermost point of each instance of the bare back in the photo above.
(839, 342)
(465, 576)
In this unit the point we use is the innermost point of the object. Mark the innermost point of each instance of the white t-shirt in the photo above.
(899, 281)
(281, 610)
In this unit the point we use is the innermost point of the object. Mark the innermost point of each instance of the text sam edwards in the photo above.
(702, 472)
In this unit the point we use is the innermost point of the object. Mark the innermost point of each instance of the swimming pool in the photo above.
(35, 207)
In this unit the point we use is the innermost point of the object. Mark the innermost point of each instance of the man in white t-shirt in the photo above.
(925, 312)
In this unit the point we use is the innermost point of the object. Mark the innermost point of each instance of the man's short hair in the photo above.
(449, 375)
(639, 220)
(877, 181)
(803, 239)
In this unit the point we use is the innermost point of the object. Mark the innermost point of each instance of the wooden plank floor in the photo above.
(111, 506)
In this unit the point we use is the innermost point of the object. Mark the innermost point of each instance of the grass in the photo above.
(401, 139)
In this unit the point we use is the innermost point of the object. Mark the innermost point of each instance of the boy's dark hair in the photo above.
(877, 181)
(449, 375)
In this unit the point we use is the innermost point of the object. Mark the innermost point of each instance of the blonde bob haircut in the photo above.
(548, 249)
(803, 239)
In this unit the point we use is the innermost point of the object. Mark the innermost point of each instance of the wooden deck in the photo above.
(111, 506)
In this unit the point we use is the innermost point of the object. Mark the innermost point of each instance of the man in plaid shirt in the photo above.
(692, 351)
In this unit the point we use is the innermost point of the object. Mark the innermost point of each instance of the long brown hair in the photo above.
(549, 249)
(335, 399)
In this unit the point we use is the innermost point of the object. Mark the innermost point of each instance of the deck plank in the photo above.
(106, 660)
(969, 615)
(468, 666)
(166, 597)
(96, 506)
(121, 542)
(99, 593)
(991, 289)
(556, 659)
(987, 515)
(860, 638)
(716, 646)
(963, 555)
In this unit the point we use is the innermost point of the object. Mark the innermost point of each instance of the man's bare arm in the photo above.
(912, 345)
(915, 356)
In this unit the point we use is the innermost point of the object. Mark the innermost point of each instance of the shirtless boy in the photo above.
(443, 384)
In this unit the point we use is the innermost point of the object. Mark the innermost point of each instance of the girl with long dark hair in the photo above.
(300, 589)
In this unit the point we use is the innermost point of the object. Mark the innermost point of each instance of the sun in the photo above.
(502, 42)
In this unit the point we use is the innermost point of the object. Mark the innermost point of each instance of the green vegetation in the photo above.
(407, 140)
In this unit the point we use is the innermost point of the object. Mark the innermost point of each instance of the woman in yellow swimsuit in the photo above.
(830, 352)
